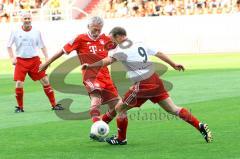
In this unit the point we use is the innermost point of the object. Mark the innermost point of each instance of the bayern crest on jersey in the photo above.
(101, 41)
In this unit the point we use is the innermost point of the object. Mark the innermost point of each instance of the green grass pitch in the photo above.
(210, 88)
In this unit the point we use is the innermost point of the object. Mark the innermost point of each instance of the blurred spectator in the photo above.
(190, 7)
(4, 15)
(38, 3)
(121, 8)
(169, 8)
(200, 7)
(150, 8)
(27, 4)
(137, 8)
(109, 8)
(180, 7)
(225, 6)
(238, 6)
(159, 5)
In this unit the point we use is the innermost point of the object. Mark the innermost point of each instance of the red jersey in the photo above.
(90, 51)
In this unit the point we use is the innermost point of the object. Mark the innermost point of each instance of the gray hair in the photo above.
(95, 20)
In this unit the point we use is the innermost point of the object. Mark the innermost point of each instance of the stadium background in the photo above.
(201, 34)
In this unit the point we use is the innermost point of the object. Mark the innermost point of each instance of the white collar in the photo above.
(89, 35)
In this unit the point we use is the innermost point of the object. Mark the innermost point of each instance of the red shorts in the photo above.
(105, 86)
(151, 88)
(28, 66)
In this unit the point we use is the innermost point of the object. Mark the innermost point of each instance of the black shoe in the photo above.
(95, 138)
(204, 130)
(58, 107)
(115, 141)
(18, 110)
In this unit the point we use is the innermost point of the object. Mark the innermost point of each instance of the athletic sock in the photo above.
(122, 123)
(188, 117)
(108, 116)
(19, 97)
(50, 94)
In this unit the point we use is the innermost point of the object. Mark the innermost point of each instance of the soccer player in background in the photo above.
(135, 57)
(90, 48)
(26, 61)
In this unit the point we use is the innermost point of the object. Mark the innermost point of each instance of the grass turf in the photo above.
(209, 88)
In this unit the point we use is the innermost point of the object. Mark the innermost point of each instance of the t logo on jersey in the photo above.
(93, 49)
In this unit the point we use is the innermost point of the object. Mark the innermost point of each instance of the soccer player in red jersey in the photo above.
(90, 48)
(27, 41)
(135, 57)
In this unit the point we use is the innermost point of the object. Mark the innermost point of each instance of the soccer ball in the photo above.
(100, 129)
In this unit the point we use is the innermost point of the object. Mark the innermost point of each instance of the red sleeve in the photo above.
(72, 45)
(110, 44)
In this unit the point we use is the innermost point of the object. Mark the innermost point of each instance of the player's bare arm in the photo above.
(166, 59)
(11, 55)
(51, 60)
(104, 62)
(44, 51)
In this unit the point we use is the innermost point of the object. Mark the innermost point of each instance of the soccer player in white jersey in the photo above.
(27, 41)
(147, 84)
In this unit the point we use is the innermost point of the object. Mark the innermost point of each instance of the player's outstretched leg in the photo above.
(185, 115)
(19, 96)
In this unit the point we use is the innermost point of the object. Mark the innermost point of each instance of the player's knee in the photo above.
(44, 81)
(113, 104)
(120, 107)
(19, 84)
(112, 109)
(174, 110)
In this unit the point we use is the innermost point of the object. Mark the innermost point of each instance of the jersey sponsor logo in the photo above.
(93, 49)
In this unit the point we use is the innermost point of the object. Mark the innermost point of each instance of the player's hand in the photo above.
(179, 67)
(14, 61)
(85, 66)
(43, 67)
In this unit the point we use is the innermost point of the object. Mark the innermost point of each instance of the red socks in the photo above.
(122, 123)
(47, 89)
(188, 117)
(19, 97)
(50, 94)
(108, 116)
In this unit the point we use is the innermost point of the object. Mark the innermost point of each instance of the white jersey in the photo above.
(135, 59)
(26, 42)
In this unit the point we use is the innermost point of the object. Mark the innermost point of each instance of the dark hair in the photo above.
(118, 31)
(238, 1)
